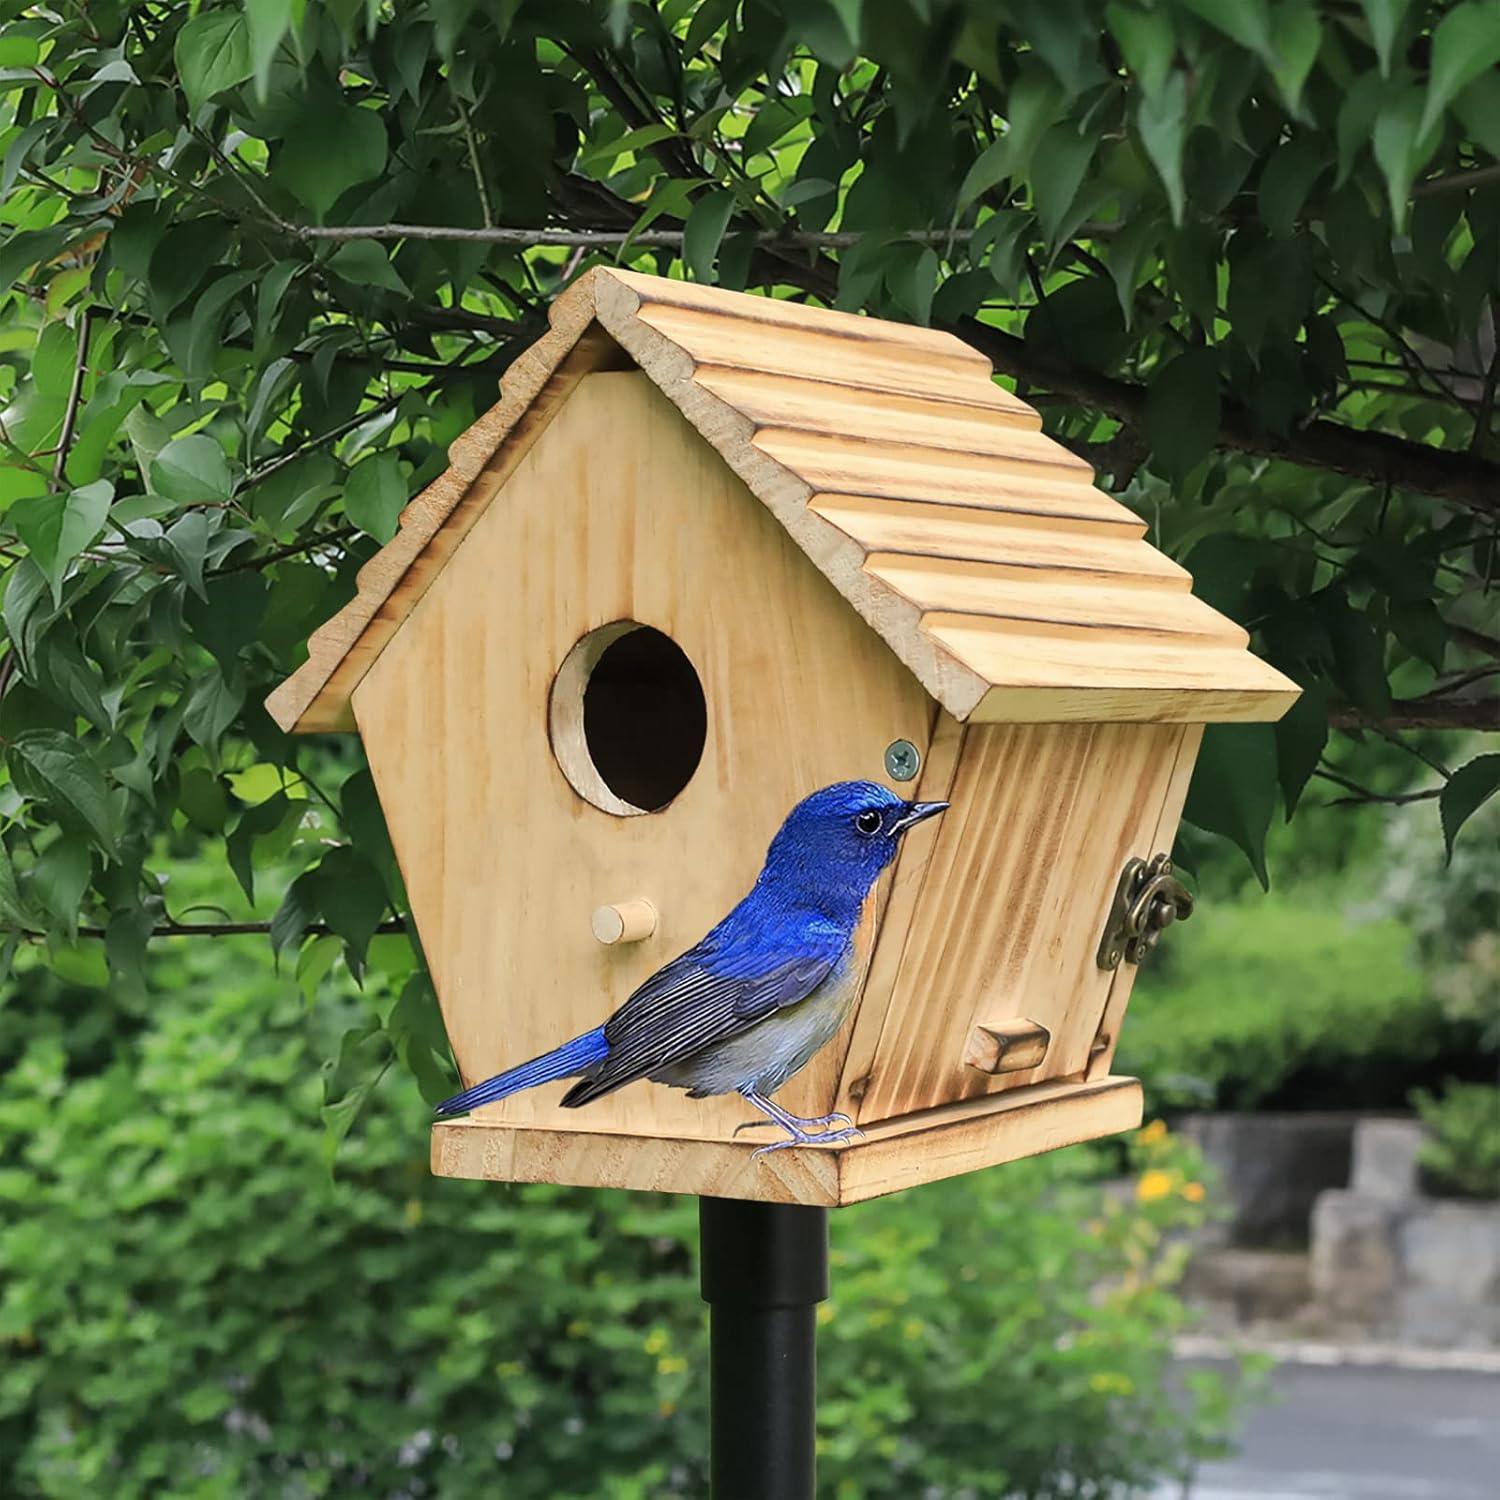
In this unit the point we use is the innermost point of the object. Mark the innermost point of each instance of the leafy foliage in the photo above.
(1287, 1002)
(263, 263)
(190, 1305)
(1463, 1149)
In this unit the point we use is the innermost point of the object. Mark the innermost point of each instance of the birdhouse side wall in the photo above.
(1003, 919)
(618, 511)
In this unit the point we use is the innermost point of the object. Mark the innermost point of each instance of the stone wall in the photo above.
(1397, 1264)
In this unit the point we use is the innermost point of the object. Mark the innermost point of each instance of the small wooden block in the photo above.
(624, 922)
(1007, 1046)
(895, 1154)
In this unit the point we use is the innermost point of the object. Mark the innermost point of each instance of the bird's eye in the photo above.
(868, 821)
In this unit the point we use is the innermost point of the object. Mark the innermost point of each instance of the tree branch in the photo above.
(1376, 457)
(599, 239)
(1424, 713)
(1456, 181)
(223, 929)
(75, 395)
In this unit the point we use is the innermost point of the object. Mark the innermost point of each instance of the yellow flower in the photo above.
(671, 1364)
(1150, 1134)
(1193, 1192)
(1153, 1185)
(656, 1341)
(824, 1313)
(1111, 1383)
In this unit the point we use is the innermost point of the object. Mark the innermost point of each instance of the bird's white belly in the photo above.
(764, 1057)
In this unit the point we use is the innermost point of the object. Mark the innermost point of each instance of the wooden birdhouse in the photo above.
(710, 552)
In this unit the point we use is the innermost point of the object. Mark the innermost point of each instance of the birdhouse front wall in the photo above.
(1000, 921)
(619, 511)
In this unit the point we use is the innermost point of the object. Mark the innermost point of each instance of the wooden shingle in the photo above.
(977, 547)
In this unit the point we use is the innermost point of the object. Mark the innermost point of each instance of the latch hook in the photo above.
(1148, 899)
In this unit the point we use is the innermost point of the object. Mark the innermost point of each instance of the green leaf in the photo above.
(1233, 792)
(1394, 141)
(297, 912)
(1385, 17)
(269, 21)
(313, 963)
(192, 471)
(912, 277)
(226, 617)
(67, 678)
(1182, 411)
(1058, 166)
(1247, 22)
(364, 821)
(672, 196)
(1161, 119)
(416, 1029)
(56, 528)
(203, 800)
(187, 543)
(1032, 105)
(125, 941)
(604, 155)
(1301, 735)
(1465, 44)
(1297, 34)
(1466, 791)
(57, 769)
(60, 878)
(365, 263)
(706, 222)
(352, 898)
(1126, 254)
(1286, 181)
(20, 252)
(206, 320)
(331, 149)
(1147, 41)
(213, 54)
(254, 823)
(364, 1056)
(374, 496)
(211, 707)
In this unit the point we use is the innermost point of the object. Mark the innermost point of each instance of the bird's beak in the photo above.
(917, 812)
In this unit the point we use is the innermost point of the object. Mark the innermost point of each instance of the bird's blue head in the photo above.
(835, 843)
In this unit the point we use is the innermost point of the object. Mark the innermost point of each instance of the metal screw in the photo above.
(902, 760)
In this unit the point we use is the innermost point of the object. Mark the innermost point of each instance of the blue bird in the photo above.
(745, 1008)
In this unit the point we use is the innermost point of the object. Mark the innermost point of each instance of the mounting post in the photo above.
(764, 1271)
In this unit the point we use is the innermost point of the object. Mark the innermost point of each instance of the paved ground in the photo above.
(1345, 1433)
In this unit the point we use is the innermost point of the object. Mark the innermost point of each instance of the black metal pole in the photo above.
(764, 1271)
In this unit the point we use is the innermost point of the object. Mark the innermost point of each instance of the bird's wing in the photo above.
(685, 1007)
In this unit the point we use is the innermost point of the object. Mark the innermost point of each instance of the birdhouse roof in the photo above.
(976, 546)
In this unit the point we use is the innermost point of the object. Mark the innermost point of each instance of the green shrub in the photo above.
(1284, 1001)
(1462, 1152)
(190, 1307)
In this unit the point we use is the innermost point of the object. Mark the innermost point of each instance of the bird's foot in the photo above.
(811, 1138)
(819, 1125)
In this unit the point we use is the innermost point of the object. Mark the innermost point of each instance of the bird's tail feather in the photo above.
(566, 1061)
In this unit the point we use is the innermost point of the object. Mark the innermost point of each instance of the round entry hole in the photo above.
(628, 718)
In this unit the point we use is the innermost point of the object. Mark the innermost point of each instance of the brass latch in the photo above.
(1148, 899)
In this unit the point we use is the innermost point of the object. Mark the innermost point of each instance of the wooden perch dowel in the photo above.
(1007, 1046)
(625, 922)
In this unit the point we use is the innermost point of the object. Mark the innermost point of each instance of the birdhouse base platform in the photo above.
(892, 1154)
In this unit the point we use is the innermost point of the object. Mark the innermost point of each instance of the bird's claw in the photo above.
(814, 1127)
(804, 1138)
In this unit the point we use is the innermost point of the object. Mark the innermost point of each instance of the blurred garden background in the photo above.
(262, 262)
